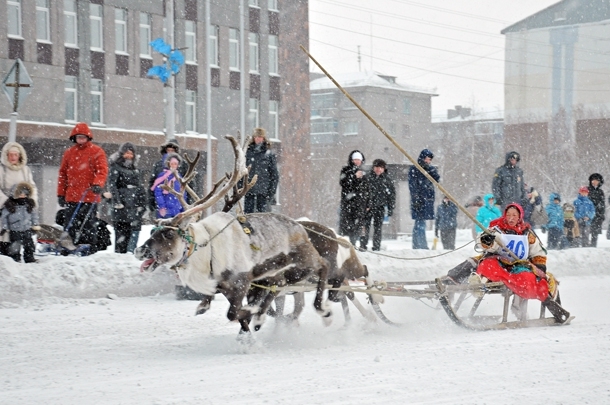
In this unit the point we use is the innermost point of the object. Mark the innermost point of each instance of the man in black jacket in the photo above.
(508, 185)
(596, 195)
(381, 195)
(262, 163)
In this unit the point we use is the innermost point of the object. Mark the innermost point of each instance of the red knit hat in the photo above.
(583, 189)
(80, 129)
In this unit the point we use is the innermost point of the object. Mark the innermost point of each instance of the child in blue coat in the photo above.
(584, 211)
(488, 212)
(555, 223)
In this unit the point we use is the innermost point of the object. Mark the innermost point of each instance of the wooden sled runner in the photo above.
(467, 317)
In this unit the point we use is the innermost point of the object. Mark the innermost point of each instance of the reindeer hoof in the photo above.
(201, 310)
(258, 322)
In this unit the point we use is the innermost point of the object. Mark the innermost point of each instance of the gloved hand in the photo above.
(488, 239)
(162, 212)
(107, 195)
(96, 189)
(36, 228)
(61, 200)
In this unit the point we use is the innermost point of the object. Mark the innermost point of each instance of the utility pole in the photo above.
(208, 102)
(170, 90)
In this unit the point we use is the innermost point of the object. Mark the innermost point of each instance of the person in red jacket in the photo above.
(82, 176)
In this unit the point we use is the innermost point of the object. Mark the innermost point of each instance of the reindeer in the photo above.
(344, 265)
(221, 254)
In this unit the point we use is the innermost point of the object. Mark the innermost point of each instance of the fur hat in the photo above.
(23, 188)
(80, 129)
(259, 132)
(379, 163)
(172, 143)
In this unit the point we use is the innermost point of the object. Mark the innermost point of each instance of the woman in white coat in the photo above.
(14, 169)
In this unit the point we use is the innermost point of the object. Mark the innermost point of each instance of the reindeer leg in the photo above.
(345, 308)
(317, 303)
(204, 305)
(259, 318)
(280, 301)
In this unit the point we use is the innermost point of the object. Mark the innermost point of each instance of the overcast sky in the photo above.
(454, 46)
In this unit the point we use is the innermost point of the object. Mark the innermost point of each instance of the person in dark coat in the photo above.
(354, 197)
(507, 184)
(596, 195)
(168, 204)
(532, 202)
(381, 195)
(263, 164)
(170, 146)
(446, 223)
(127, 195)
(422, 197)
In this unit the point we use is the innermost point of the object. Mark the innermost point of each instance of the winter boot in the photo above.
(462, 271)
(560, 314)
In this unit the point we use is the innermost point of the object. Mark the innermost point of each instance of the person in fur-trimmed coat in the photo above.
(128, 197)
(14, 169)
(20, 218)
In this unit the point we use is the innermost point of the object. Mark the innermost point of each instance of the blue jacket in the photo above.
(422, 189)
(583, 207)
(555, 213)
(487, 213)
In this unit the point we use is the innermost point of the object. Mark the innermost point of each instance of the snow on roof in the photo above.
(477, 116)
(367, 79)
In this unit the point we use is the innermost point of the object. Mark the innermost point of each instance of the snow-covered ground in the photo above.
(64, 342)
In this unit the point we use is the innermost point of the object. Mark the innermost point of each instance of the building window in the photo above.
(213, 44)
(70, 31)
(253, 116)
(96, 21)
(14, 18)
(190, 42)
(43, 33)
(324, 130)
(97, 101)
(120, 30)
(145, 35)
(391, 104)
(274, 120)
(322, 104)
(350, 128)
(70, 98)
(406, 106)
(191, 111)
(273, 55)
(253, 3)
(272, 5)
(254, 55)
(234, 49)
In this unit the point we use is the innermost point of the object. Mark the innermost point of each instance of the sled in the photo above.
(463, 312)
(54, 241)
(460, 302)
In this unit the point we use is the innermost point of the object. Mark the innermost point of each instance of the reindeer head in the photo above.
(171, 241)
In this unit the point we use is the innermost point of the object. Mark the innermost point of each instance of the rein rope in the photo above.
(344, 243)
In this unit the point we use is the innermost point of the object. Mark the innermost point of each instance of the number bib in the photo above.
(518, 244)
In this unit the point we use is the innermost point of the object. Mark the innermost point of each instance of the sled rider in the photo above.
(525, 275)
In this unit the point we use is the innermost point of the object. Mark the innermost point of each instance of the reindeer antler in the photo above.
(238, 194)
(239, 170)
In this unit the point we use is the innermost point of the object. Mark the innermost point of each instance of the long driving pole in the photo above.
(391, 139)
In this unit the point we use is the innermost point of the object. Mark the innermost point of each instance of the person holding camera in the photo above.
(422, 197)
(354, 197)
(263, 164)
